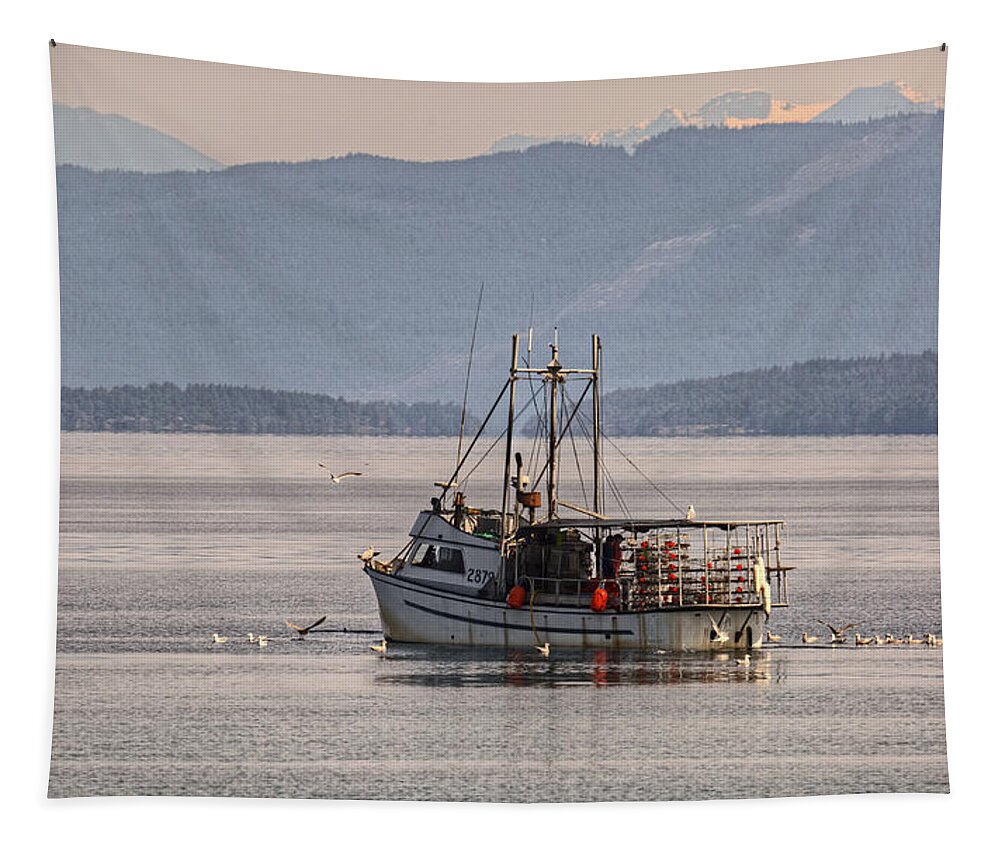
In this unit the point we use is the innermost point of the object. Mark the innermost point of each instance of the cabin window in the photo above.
(438, 558)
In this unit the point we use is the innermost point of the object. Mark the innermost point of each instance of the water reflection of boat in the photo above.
(520, 577)
(601, 668)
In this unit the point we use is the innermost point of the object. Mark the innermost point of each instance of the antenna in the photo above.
(468, 372)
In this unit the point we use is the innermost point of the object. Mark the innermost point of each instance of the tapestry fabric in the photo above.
(496, 442)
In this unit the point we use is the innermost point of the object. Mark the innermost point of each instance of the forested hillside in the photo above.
(884, 395)
(245, 410)
(706, 251)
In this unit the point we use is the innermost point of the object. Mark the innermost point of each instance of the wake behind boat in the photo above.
(518, 577)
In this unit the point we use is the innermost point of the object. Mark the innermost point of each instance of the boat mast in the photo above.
(510, 437)
(596, 351)
(554, 370)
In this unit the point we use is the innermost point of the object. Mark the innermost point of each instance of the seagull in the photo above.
(860, 641)
(368, 555)
(744, 662)
(809, 639)
(933, 641)
(879, 640)
(772, 637)
(251, 638)
(262, 641)
(890, 639)
(219, 639)
(381, 647)
(303, 631)
(837, 635)
(911, 640)
(336, 478)
(690, 513)
(544, 649)
(719, 636)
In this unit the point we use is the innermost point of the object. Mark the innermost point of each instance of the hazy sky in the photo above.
(237, 114)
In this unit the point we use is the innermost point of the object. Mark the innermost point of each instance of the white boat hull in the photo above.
(412, 612)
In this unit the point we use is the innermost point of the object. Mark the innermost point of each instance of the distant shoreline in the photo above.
(884, 395)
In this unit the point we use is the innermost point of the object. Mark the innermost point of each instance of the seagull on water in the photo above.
(932, 640)
(251, 638)
(772, 637)
(911, 640)
(303, 631)
(544, 649)
(219, 639)
(837, 634)
(891, 639)
(809, 639)
(744, 662)
(337, 477)
(861, 641)
(381, 647)
(262, 641)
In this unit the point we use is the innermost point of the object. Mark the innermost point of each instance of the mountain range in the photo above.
(110, 142)
(747, 109)
(706, 251)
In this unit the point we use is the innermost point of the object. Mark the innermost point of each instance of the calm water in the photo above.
(167, 539)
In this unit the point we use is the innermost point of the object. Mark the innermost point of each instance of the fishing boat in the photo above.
(528, 575)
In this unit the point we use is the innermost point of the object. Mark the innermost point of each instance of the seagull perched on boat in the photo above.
(809, 639)
(690, 513)
(219, 639)
(337, 477)
(544, 649)
(861, 641)
(303, 631)
(837, 635)
(718, 634)
(381, 647)
(772, 637)
(368, 555)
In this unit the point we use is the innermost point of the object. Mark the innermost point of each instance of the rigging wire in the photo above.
(493, 445)
(468, 372)
(638, 469)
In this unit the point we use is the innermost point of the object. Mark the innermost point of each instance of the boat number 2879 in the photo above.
(479, 577)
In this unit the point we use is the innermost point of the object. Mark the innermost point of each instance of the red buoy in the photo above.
(599, 600)
(517, 597)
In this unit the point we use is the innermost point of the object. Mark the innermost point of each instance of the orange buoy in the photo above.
(599, 600)
(517, 597)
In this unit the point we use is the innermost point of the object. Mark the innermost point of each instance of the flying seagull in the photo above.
(718, 634)
(303, 631)
(837, 635)
(336, 477)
